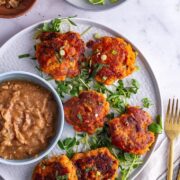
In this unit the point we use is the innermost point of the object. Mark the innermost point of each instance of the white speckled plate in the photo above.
(84, 4)
(23, 43)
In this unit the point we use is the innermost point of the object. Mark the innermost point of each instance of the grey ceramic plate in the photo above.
(84, 4)
(23, 43)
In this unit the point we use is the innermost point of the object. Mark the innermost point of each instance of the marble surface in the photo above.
(153, 26)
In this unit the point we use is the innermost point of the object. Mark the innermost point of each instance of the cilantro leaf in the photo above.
(156, 127)
(146, 102)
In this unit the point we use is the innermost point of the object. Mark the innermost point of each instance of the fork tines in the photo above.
(173, 112)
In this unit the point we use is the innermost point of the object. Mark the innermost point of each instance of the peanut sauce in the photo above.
(27, 119)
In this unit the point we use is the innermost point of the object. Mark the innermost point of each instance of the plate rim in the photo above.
(105, 8)
(142, 57)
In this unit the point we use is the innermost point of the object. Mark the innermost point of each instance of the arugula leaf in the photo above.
(146, 102)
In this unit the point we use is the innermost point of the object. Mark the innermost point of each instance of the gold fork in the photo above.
(172, 129)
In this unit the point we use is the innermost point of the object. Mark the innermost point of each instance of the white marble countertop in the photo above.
(153, 26)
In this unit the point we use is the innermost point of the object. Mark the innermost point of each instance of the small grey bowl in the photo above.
(20, 75)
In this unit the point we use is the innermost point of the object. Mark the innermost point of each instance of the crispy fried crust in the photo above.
(97, 164)
(50, 59)
(51, 169)
(87, 112)
(129, 131)
(119, 62)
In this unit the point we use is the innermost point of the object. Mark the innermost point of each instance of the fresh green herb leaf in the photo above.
(110, 116)
(61, 145)
(101, 2)
(74, 85)
(138, 68)
(113, 1)
(33, 58)
(114, 52)
(96, 69)
(154, 127)
(118, 97)
(89, 169)
(159, 120)
(134, 86)
(71, 22)
(96, 36)
(70, 153)
(24, 56)
(80, 117)
(102, 139)
(128, 163)
(146, 102)
(97, 2)
(62, 177)
(86, 30)
(69, 142)
(55, 25)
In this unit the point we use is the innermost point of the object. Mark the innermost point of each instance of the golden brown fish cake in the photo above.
(98, 164)
(116, 55)
(130, 132)
(59, 54)
(58, 167)
(87, 112)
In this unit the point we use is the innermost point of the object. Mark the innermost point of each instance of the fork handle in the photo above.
(171, 159)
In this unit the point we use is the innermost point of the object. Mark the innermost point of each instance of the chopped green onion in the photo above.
(62, 52)
(97, 2)
(86, 30)
(114, 52)
(96, 36)
(23, 56)
(103, 57)
(113, 1)
(80, 117)
(104, 78)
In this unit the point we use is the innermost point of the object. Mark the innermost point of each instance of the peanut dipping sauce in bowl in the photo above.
(31, 118)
